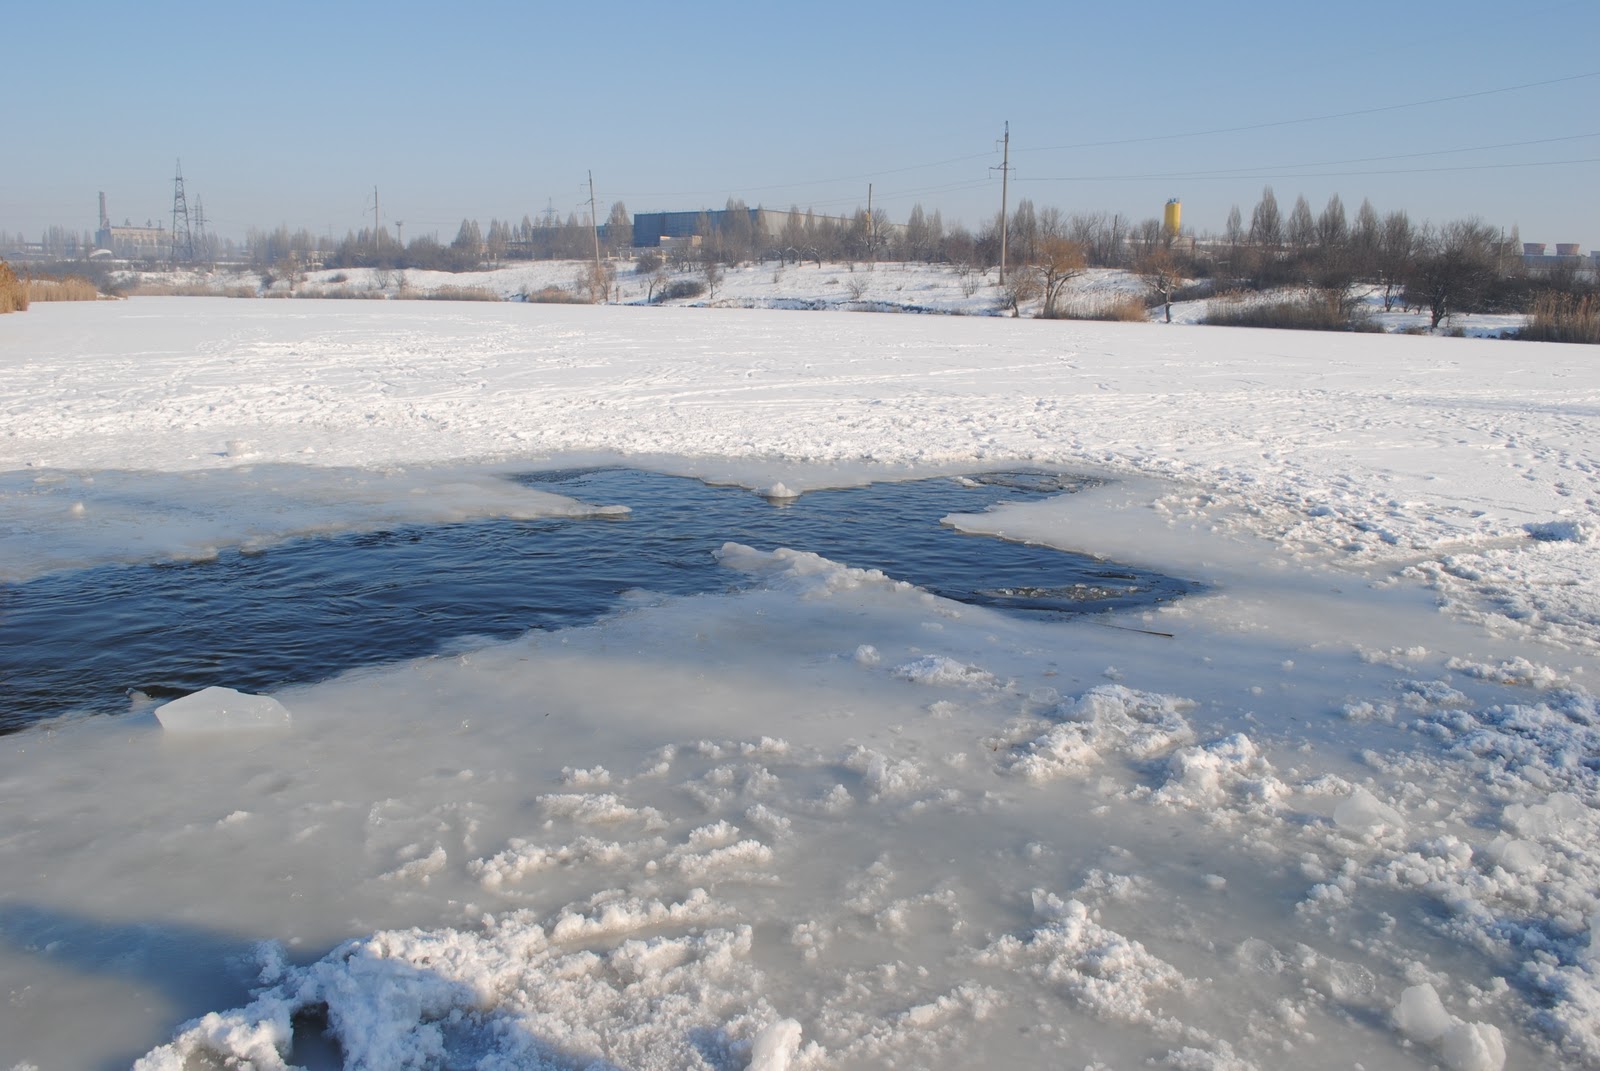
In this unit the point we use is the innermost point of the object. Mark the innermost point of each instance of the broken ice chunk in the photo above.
(1362, 812)
(222, 710)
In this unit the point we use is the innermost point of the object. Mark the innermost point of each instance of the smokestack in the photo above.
(105, 220)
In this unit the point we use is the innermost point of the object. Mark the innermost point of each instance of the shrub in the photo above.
(647, 264)
(680, 289)
(13, 294)
(550, 295)
(1194, 291)
(1317, 310)
(1564, 318)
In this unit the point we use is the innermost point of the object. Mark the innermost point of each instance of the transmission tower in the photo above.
(200, 244)
(182, 239)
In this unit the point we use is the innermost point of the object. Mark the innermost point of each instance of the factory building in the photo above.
(649, 228)
(1567, 255)
(128, 242)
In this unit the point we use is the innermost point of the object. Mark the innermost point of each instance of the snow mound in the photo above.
(1110, 719)
(1111, 977)
(775, 1046)
(1227, 770)
(939, 670)
(1557, 532)
(1421, 1016)
(513, 995)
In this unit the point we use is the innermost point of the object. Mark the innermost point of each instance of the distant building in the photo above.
(649, 228)
(1567, 255)
(128, 242)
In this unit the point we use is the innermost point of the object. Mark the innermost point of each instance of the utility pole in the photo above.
(872, 232)
(1005, 176)
(594, 225)
(377, 222)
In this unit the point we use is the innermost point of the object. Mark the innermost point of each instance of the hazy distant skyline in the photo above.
(292, 113)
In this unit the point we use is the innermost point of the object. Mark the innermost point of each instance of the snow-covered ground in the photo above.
(856, 287)
(1339, 811)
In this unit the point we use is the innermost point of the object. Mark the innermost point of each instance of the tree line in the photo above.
(1459, 266)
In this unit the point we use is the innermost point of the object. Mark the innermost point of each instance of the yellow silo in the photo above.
(1173, 216)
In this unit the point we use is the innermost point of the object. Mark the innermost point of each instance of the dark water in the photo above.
(306, 610)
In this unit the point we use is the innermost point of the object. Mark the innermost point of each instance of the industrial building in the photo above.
(132, 243)
(1567, 255)
(649, 228)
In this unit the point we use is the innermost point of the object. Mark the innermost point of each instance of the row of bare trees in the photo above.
(1459, 266)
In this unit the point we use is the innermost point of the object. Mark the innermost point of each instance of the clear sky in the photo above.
(291, 113)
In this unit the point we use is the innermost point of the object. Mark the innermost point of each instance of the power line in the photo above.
(1131, 141)
(1202, 175)
(1319, 118)
(1236, 171)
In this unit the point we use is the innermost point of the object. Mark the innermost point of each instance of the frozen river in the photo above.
(1336, 808)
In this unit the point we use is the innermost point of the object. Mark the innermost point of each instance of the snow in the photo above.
(1463, 1046)
(1337, 809)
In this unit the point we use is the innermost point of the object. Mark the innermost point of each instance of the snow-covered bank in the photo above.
(833, 822)
(939, 289)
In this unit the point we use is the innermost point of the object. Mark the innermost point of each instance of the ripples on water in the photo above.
(306, 610)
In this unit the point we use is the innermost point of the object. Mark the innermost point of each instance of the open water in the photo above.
(302, 611)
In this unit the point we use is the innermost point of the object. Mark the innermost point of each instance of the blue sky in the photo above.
(293, 112)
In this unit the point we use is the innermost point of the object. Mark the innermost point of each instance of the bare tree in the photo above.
(1364, 239)
(658, 281)
(1266, 224)
(1101, 236)
(1302, 229)
(1058, 261)
(737, 233)
(1023, 236)
(1455, 269)
(916, 244)
(1160, 277)
(1332, 229)
(1146, 238)
(595, 282)
(1397, 248)
(1234, 230)
(619, 229)
(1020, 288)
(794, 235)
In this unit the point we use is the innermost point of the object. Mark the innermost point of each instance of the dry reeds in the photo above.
(1558, 317)
(1316, 310)
(1122, 308)
(13, 292)
(343, 293)
(67, 288)
(147, 288)
(457, 293)
(550, 295)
